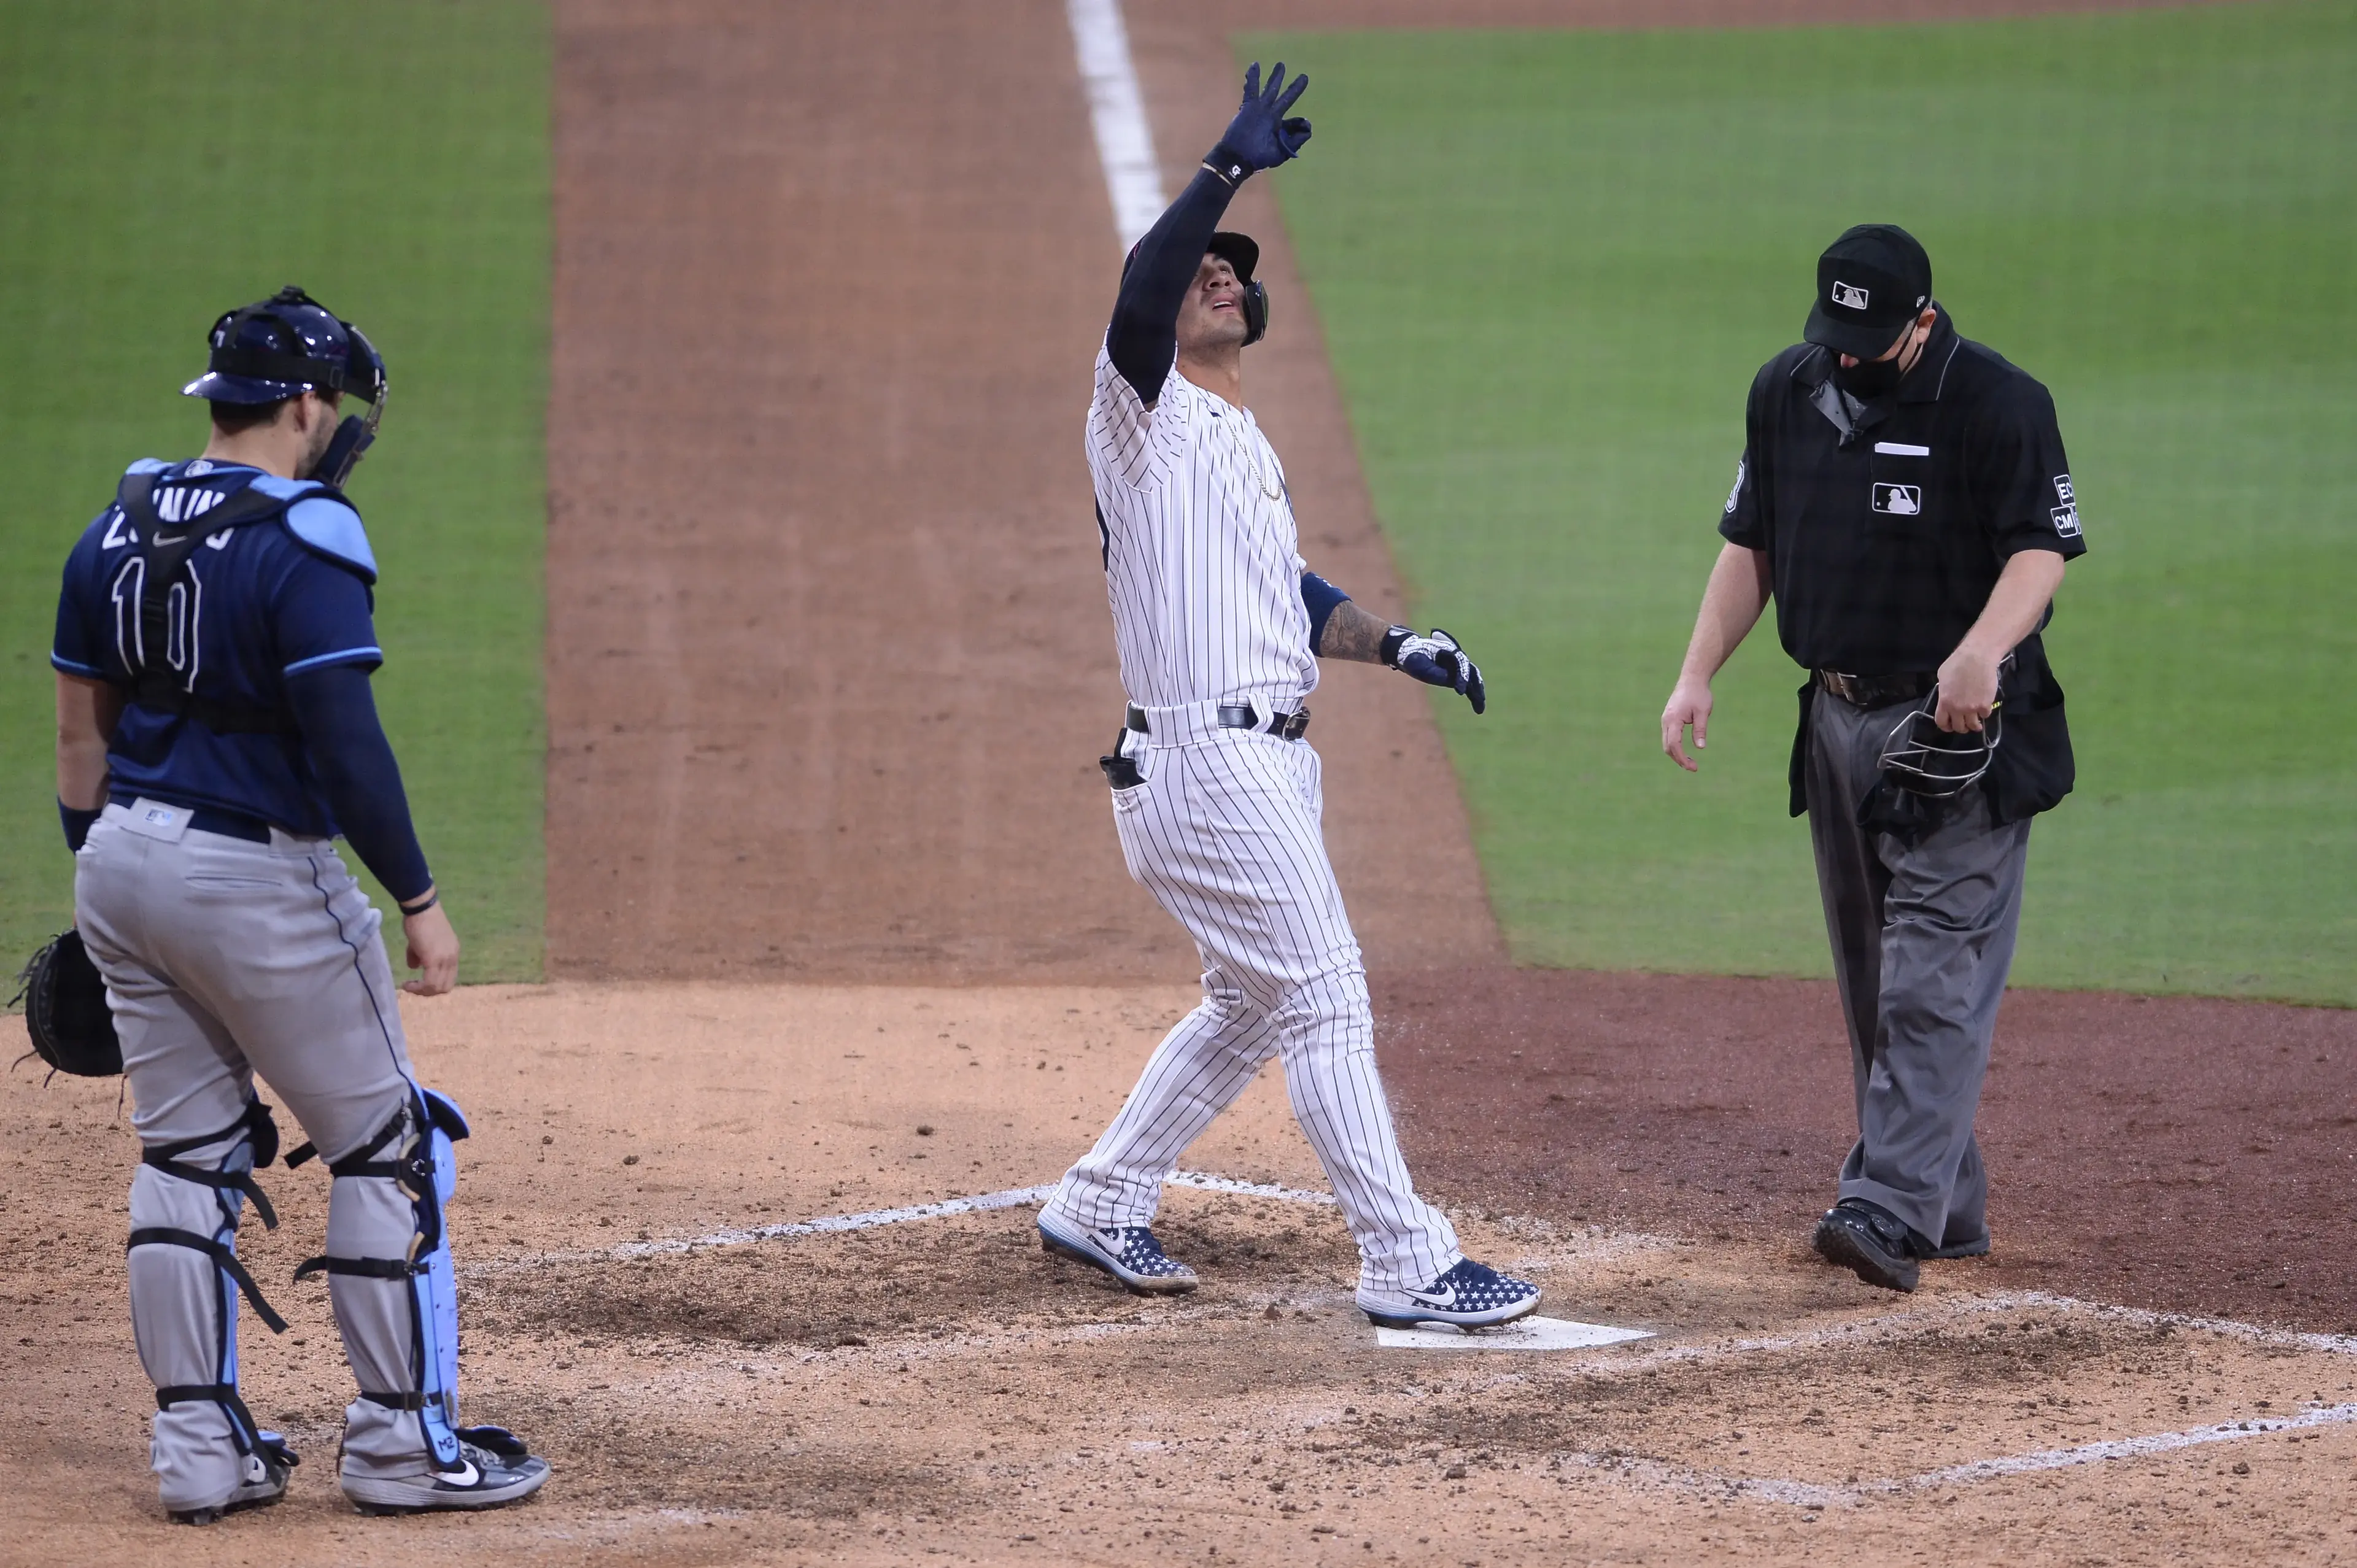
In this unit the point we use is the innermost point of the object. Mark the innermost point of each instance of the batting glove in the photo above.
(1435, 659)
(1260, 136)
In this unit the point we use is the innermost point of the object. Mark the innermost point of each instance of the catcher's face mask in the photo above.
(1924, 759)
(354, 434)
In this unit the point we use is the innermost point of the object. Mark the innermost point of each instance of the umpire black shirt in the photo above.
(1887, 524)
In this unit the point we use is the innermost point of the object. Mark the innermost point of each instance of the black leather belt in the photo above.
(1238, 715)
(1875, 690)
(205, 819)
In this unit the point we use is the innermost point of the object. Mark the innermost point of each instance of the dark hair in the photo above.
(237, 418)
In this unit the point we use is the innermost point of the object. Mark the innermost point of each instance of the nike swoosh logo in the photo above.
(175, 539)
(1443, 1298)
(465, 1476)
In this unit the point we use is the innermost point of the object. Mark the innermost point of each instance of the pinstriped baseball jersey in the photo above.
(1202, 560)
(1203, 568)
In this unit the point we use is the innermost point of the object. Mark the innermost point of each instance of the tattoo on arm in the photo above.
(1352, 634)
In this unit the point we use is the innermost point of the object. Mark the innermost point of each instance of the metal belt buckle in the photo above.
(1295, 725)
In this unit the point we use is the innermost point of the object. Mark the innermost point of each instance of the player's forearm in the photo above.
(1352, 634)
(2015, 605)
(1731, 602)
(88, 711)
(1144, 336)
(337, 714)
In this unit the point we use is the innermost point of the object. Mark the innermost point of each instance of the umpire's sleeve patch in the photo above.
(333, 530)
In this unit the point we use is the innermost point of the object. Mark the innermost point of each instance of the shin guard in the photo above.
(395, 1295)
(186, 1201)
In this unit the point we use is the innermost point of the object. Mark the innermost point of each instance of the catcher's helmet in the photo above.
(282, 347)
(290, 344)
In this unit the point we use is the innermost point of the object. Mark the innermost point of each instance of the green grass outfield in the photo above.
(163, 161)
(1547, 264)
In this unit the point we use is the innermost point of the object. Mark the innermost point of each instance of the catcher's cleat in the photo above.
(1470, 1295)
(1128, 1252)
(264, 1484)
(486, 1478)
(1871, 1242)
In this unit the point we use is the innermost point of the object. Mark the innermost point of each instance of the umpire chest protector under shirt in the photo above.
(1887, 524)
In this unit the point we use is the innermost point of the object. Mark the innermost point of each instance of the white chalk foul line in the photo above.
(1817, 1495)
(1118, 110)
(2227, 1327)
(828, 1224)
(979, 1203)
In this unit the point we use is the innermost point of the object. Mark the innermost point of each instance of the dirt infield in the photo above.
(936, 1387)
(2166, 1152)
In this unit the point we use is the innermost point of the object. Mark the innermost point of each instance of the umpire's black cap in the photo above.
(1870, 283)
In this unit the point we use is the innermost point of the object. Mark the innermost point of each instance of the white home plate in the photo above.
(1531, 1333)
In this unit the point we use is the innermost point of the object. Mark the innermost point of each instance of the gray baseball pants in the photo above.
(1923, 938)
(225, 958)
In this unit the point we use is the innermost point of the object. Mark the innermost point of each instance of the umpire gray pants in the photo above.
(1923, 938)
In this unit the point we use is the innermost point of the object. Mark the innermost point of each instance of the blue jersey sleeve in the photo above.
(321, 615)
(80, 647)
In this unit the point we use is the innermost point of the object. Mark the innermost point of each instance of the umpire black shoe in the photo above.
(1871, 1242)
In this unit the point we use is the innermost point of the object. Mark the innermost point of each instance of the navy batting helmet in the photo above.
(1240, 251)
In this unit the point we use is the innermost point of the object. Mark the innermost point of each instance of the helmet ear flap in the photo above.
(1255, 312)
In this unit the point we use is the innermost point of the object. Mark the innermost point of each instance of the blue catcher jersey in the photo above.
(277, 596)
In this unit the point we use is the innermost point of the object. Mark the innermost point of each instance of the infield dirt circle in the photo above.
(839, 930)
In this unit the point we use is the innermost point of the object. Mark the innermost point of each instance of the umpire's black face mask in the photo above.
(1867, 379)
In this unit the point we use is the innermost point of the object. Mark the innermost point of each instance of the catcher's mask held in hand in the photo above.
(290, 344)
(65, 1011)
(1924, 759)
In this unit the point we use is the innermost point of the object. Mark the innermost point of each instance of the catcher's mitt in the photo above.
(66, 1011)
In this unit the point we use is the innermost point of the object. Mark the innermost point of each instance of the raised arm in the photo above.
(1144, 336)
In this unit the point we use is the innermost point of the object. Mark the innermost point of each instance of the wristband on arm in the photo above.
(77, 823)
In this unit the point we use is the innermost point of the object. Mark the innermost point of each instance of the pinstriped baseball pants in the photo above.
(1226, 833)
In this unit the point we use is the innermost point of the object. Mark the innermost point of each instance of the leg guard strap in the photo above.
(264, 1136)
(410, 1400)
(367, 1268)
(243, 1430)
(223, 1259)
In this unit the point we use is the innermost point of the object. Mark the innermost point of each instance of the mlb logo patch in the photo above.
(1848, 297)
(2066, 521)
(1899, 500)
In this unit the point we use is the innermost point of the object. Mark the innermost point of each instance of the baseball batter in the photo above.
(1216, 796)
(215, 733)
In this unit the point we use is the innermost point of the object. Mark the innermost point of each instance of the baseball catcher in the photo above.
(215, 733)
